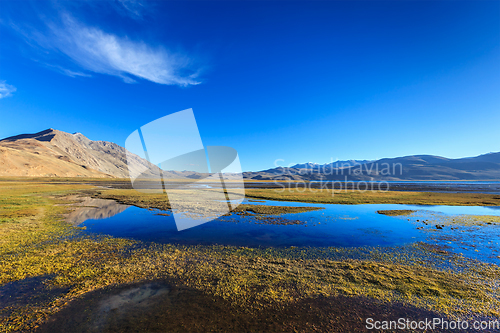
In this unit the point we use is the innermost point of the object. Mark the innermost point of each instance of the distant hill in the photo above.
(55, 153)
(415, 167)
(336, 164)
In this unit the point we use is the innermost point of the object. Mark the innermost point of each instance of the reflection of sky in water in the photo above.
(336, 225)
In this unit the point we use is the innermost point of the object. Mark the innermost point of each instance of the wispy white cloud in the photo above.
(67, 72)
(71, 73)
(101, 52)
(6, 90)
(133, 8)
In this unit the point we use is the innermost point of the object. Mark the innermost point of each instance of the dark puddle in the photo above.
(26, 292)
(160, 307)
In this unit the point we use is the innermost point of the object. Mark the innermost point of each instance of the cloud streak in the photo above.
(6, 90)
(105, 53)
(134, 8)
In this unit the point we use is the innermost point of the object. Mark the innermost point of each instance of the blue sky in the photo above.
(295, 81)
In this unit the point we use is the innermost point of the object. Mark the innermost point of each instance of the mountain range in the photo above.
(336, 164)
(53, 153)
(414, 167)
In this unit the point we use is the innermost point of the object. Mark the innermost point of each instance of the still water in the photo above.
(333, 225)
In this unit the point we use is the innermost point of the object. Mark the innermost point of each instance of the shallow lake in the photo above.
(334, 225)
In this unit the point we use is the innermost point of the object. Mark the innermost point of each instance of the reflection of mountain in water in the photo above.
(94, 209)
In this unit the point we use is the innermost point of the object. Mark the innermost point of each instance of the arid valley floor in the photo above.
(57, 276)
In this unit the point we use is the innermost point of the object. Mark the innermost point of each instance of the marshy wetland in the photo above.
(80, 256)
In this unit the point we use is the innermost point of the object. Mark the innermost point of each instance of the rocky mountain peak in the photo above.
(56, 153)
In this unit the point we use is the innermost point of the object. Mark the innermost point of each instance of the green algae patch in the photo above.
(396, 212)
(36, 242)
(273, 210)
(263, 214)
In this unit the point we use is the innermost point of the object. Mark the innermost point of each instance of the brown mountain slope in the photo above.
(60, 154)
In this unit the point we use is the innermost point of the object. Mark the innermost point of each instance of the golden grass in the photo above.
(374, 197)
(396, 212)
(435, 218)
(160, 201)
(135, 198)
(35, 241)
